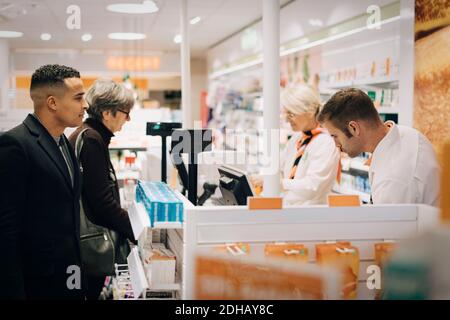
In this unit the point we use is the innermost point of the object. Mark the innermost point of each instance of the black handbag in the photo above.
(100, 247)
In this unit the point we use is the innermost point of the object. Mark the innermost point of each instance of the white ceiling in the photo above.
(220, 18)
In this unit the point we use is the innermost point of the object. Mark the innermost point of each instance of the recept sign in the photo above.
(119, 63)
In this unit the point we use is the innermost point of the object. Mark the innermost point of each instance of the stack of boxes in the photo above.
(162, 204)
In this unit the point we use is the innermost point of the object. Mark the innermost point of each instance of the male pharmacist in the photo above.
(403, 169)
(40, 193)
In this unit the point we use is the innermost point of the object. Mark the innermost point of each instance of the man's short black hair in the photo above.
(347, 105)
(52, 75)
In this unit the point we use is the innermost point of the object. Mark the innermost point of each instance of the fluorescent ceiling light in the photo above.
(46, 36)
(195, 20)
(315, 22)
(86, 37)
(177, 38)
(126, 36)
(10, 34)
(133, 8)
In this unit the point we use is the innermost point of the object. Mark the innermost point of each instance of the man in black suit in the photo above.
(40, 192)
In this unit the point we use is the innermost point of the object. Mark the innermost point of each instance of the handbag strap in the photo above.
(86, 227)
(79, 145)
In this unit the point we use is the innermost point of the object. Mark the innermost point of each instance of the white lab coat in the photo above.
(316, 171)
(404, 168)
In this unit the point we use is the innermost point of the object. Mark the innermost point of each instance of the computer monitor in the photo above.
(234, 186)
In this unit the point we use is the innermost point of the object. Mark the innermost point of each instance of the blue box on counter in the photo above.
(161, 202)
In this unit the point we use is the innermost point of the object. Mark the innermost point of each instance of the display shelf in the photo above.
(122, 175)
(365, 197)
(356, 168)
(137, 274)
(258, 112)
(123, 286)
(364, 226)
(355, 172)
(168, 225)
(357, 164)
(166, 287)
(128, 147)
(382, 83)
(252, 94)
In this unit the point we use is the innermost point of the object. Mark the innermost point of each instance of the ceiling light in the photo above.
(195, 20)
(10, 34)
(126, 36)
(46, 36)
(315, 22)
(177, 38)
(133, 8)
(86, 37)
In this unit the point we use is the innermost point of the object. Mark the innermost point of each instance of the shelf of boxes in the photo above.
(208, 228)
(140, 223)
(355, 164)
(383, 83)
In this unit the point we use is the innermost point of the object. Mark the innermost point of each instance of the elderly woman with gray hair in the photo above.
(109, 108)
(311, 159)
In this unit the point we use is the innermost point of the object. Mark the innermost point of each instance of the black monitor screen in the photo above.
(234, 186)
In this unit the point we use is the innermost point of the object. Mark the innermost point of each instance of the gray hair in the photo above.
(301, 99)
(106, 95)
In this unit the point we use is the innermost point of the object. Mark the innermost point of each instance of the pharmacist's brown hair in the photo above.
(349, 105)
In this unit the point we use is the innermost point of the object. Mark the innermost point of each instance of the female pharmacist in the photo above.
(310, 161)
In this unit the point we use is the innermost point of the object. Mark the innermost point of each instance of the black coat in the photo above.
(100, 190)
(39, 216)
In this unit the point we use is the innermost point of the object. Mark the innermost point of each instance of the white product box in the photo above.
(159, 265)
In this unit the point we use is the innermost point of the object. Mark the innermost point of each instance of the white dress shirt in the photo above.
(404, 168)
(316, 171)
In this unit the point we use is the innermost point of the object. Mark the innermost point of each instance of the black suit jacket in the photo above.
(39, 215)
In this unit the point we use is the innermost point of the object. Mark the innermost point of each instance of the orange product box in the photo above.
(383, 251)
(227, 279)
(289, 251)
(345, 257)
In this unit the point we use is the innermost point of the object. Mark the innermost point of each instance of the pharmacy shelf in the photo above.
(359, 166)
(257, 94)
(365, 197)
(122, 175)
(382, 83)
(137, 274)
(356, 168)
(168, 225)
(166, 287)
(356, 164)
(128, 147)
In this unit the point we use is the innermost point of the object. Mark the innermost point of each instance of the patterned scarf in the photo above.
(301, 145)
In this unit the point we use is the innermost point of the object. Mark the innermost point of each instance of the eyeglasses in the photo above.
(126, 112)
(289, 115)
